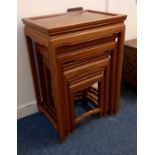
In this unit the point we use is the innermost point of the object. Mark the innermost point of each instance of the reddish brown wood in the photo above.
(74, 50)
(69, 22)
(80, 78)
(120, 48)
(87, 114)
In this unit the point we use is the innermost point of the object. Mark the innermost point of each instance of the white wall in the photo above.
(27, 8)
(128, 7)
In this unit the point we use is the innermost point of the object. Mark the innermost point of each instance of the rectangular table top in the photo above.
(71, 21)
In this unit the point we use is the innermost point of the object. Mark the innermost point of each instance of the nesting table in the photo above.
(74, 56)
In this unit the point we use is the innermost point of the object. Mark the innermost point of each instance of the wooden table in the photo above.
(69, 52)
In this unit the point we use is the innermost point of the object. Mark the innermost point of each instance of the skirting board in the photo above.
(27, 109)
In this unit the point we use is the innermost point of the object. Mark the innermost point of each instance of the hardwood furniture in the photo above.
(84, 77)
(130, 62)
(69, 52)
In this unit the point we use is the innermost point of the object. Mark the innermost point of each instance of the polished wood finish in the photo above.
(72, 21)
(69, 52)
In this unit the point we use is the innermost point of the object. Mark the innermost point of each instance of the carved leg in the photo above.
(57, 94)
(71, 99)
(119, 68)
(113, 81)
(101, 96)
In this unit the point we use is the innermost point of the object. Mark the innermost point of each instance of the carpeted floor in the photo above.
(112, 135)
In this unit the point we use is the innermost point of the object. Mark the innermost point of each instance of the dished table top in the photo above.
(71, 21)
